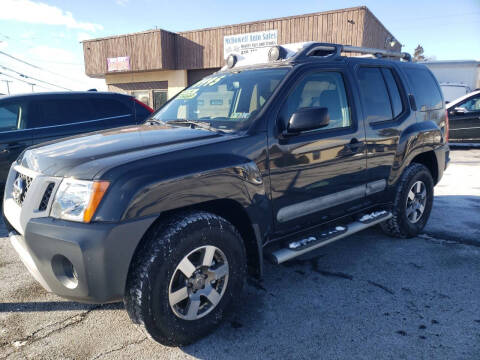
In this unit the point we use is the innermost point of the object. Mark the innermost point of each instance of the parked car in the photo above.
(292, 154)
(30, 119)
(456, 77)
(464, 116)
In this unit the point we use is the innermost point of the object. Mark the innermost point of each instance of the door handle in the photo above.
(354, 145)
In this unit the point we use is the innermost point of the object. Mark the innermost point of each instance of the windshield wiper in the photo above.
(193, 123)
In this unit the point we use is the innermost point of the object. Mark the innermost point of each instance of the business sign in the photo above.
(118, 64)
(250, 42)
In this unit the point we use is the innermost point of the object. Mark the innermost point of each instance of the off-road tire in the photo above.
(399, 225)
(166, 244)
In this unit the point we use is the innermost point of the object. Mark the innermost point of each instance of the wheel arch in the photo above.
(231, 211)
(429, 160)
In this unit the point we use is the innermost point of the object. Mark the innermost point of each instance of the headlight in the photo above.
(77, 200)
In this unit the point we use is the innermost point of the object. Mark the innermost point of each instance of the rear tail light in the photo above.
(447, 126)
(144, 105)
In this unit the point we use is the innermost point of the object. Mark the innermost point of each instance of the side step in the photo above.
(297, 248)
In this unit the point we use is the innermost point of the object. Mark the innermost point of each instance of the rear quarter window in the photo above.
(426, 91)
(108, 107)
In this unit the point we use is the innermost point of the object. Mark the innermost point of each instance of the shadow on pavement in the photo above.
(455, 217)
(55, 306)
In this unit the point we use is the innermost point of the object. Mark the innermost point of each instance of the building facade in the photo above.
(155, 65)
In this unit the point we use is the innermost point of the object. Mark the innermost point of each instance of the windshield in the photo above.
(225, 101)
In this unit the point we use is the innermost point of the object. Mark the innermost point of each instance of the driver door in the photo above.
(465, 121)
(317, 175)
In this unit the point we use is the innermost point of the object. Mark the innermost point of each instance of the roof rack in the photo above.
(334, 50)
(305, 51)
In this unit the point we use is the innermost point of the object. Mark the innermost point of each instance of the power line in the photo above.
(30, 77)
(26, 82)
(39, 68)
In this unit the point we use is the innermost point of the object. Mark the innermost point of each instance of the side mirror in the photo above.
(309, 118)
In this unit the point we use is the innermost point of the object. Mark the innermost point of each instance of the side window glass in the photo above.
(375, 99)
(9, 117)
(472, 104)
(54, 112)
(393, 91)
(321, 89)
(427, 94)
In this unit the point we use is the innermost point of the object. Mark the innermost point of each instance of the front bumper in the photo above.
(100, 253)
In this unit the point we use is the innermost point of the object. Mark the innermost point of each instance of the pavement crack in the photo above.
(119, 348)
(383, 287)
(45, 332)
(439, 238)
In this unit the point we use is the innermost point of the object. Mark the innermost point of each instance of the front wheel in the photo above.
(412, 204)
(186, 277)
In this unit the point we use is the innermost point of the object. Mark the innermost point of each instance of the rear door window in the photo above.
(55, 112)
(374, 93)
(393, 91)
(427, 93)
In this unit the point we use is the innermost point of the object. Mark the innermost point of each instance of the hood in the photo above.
(61, 157)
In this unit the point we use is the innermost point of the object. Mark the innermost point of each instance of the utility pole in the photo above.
(32, 84)
(8, 86)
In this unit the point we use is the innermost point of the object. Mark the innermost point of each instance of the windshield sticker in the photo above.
(188, 94)
(209, 81)
(240, 115)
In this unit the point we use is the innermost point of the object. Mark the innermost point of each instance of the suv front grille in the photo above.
(28, 181)
(46, 197)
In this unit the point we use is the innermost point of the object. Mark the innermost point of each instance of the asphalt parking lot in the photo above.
(366, 297)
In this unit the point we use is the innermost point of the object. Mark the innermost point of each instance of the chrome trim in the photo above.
(376, 186)
(74, 123)
(308, 207)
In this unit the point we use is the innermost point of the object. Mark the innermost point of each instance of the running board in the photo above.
(297, 248)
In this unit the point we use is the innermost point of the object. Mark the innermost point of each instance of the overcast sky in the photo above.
(47, 33)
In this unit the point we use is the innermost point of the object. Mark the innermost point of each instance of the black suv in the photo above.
(258, 160)
(35, 118)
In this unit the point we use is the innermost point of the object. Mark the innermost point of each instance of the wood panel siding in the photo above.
(203, 49)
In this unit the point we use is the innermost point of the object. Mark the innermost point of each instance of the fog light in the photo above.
(65, 271)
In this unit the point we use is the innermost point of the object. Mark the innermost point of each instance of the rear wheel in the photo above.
(186, 277)
(412, 203)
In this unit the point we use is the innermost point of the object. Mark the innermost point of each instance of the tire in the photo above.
(406, 223)
(156, 277)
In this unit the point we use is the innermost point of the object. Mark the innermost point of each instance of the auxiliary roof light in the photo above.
(277, 53)
(231, 60)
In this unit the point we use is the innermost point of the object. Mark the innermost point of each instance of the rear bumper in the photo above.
(100, 254)
(443, 158)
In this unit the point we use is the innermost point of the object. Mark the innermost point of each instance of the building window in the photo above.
(143, 96)
(159, 98)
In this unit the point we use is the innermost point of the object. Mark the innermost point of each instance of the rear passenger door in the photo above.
(385, 114)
